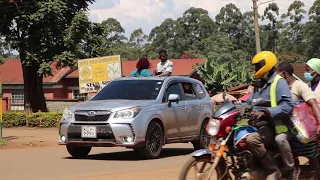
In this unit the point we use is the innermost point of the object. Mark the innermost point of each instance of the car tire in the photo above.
(78, 152)
(154, 142)
(204, 138)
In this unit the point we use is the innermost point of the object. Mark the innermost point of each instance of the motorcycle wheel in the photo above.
(219, 174)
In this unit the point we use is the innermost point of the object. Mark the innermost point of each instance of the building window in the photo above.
(77, 95)
(17, 96)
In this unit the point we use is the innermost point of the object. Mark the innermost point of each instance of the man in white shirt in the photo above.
(165, 67)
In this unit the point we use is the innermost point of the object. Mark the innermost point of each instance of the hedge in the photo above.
(40, 119)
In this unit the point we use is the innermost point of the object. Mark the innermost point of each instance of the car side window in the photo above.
(174, 88)
(199, 90)
(188, 91)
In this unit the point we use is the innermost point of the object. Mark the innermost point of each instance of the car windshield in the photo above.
(130, 90)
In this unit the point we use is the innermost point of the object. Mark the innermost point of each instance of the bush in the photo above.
(40, 119)
(14, 119)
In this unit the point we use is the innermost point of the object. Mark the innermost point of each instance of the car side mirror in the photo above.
(173, 98)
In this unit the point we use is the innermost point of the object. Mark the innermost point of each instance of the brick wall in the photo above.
(52, 105)
(59, 105)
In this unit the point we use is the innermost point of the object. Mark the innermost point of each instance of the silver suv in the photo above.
(139, 113)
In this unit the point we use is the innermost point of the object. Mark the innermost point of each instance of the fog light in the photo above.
(63, 138)
(128, 139)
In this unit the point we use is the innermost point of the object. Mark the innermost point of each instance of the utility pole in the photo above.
(256, 25)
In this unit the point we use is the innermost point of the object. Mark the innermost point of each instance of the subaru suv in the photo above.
(141, 113)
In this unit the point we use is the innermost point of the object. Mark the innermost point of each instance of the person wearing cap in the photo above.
(312, 74)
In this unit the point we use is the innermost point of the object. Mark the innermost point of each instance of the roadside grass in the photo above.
(3, 142)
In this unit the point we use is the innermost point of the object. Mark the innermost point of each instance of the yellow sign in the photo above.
(98, 72)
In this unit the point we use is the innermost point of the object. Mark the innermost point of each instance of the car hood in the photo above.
(110, 105)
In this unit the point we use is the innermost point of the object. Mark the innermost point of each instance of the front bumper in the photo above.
(107, 135)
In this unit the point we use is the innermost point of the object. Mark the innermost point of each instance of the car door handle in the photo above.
(184, 108)
(201, 106)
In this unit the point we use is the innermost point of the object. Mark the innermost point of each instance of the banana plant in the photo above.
(221, 71)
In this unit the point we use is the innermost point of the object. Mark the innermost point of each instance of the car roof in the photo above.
(168, 78)
(141, 78)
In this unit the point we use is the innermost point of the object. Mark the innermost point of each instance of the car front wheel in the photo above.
(204, 138)
(78, 152)
(154, 141)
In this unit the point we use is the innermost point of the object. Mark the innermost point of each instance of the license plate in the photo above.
(89, 132)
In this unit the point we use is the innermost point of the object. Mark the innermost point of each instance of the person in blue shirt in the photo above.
(143, 67)
(268, 119)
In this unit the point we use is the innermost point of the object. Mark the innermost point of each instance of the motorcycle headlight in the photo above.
(67, 114)
(213, 127)
(128, 113)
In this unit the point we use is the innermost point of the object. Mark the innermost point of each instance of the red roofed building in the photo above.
(63, 84)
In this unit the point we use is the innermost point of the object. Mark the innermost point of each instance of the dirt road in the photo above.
(34, 155)
(53, 162)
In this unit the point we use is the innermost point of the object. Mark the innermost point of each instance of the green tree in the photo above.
(92, 44)
(163, 37)
(183, 35)
(137, 43)
(293, 38)
(312, 30)
(5, 51)
(246, 40)
(113, 34)
(194, 26)
(229, 20)
(39, 31)
(270, 31)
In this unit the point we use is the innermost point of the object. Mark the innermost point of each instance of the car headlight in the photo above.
(128, 113)
(67, 114)
(213, 127)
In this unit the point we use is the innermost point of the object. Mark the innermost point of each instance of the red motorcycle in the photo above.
(227, 154)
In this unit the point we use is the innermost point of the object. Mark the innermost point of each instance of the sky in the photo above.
(147, 14)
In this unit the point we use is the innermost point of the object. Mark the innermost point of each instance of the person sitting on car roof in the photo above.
(164, 68)
(143, 67)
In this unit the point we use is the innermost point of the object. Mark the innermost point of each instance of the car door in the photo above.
(175, 112)
(194, 109)
(204, 106)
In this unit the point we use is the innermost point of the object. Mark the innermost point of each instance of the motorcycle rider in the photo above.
(312, 74)
(269, 119)
(301, 91)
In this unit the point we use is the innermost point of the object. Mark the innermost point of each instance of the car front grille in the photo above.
(103, 117)
(104, 133)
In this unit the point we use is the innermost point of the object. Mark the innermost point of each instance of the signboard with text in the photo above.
(98, 71)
